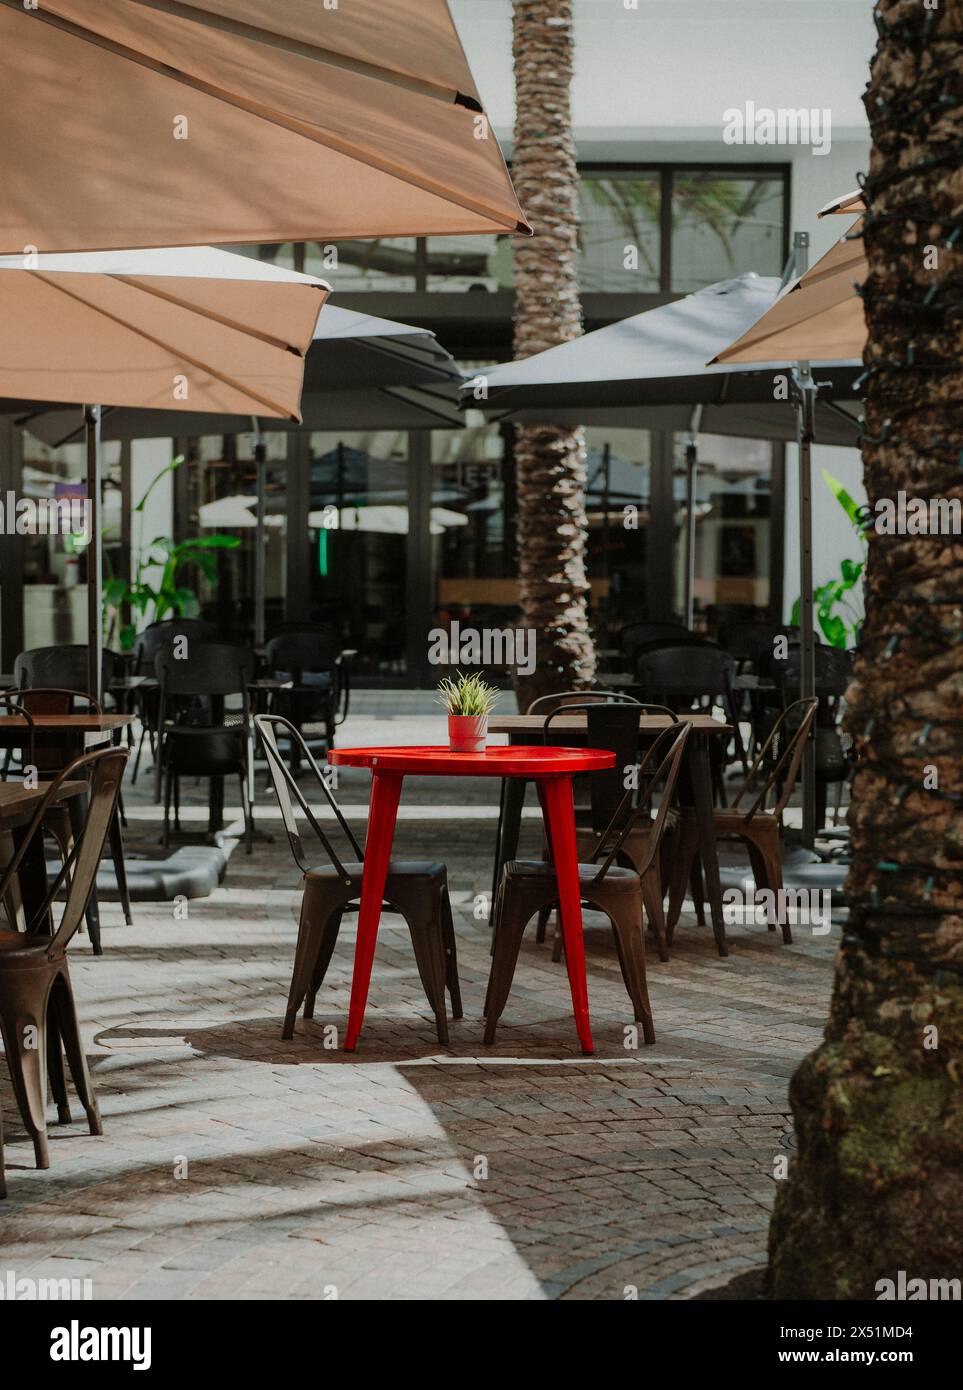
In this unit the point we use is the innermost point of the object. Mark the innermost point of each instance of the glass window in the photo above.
(725, 222)
(617, 501)
(473, 530)
(732, 529)
(55, 566)
(470, 263)
(619, 239)
(357, 529)
(387, 264)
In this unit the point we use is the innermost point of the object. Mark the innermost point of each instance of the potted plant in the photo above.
(469, 700)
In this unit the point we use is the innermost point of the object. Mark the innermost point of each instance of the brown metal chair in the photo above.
(528, 886)
(758, 828)
(36, 999)
(49, 758)
(416, 889)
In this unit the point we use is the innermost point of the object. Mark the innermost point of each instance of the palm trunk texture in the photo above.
(550, 461)
(877, 1186)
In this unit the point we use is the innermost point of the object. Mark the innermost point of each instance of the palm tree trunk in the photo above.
(550, 461)
(877, 1186)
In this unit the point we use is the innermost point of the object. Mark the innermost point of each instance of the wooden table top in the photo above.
(71, 723)
(18, 803)
(567, 723)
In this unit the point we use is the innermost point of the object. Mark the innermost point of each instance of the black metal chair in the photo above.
(168, 634)
(694, 676)
(833, 759)
(750, 642)
(636, 635)
(530, 887)
(64, 668)
(320, 682)
(195, 736)
(418, 890)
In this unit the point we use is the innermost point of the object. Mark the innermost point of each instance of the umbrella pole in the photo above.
(95, 556)
(260, 558)
(805, 414)
(691, 479)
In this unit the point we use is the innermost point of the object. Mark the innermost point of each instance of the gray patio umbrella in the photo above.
(649, 372)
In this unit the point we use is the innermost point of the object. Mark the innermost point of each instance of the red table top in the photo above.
(506, 761)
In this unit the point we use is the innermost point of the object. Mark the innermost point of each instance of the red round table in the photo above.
(551, 769)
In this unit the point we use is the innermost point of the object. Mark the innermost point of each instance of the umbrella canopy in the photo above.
(820, 317)
(649, 372)
(131, 123)
(361, 373)
(184, 329)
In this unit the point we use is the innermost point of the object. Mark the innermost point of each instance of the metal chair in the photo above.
(36, 1000)
(758, 828)
(418, 890)
(158, 637)
(528, 887)
(199, 741)
(320, 681)
(694, 675)
(64, 821)
(63, 668)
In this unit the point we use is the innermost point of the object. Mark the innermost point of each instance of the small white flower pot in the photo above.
(467, 733)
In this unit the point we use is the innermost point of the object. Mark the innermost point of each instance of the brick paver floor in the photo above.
(237, 1165)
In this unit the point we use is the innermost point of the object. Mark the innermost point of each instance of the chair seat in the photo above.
(397, 868)
(22, 944)
(615, 876)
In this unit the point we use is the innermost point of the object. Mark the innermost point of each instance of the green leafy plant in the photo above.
(839, 618)
(152, 602)
(467, 695)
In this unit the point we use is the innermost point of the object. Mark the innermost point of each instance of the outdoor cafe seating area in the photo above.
(687, 746)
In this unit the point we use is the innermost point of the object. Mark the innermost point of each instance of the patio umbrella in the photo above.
(649, 372)
(361, 372)
(190, 329)
(132, 123)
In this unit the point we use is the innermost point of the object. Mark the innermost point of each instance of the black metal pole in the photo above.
(260, 558)
(95, 556)
(805, 403)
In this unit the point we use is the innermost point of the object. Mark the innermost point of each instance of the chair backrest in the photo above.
(295, 653)
(546, 703)
(213, 668)
(161, 636)
(10, 706)
(104, 771)
(635, 635)
(659, 767)
(753, 641)
(833, 666)
(615, 727)
(64, 667)
(52, 753)
(783, 769)
(285, 786)
(686, 673)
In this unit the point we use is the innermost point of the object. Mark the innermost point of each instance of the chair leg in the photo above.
(311, 934)
(430, 959)
(512, 919)
(325, 951)
(55, 1070)
(28, 1067)
(120, 868)
(166, 836)
(698, 890)
(543, 915)
(652, 901)
(451, 955)
(246, 809)
(76, 810)
(772, 861)
(630, 940)
(684, 848)
(62, 1001)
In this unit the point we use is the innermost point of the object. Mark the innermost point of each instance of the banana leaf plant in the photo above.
(839, 617)
(149, 603)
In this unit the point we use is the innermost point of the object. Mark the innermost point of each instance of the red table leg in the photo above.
(382, 809)
(556, 798)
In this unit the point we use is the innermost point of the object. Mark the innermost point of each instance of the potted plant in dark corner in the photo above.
(469, 700)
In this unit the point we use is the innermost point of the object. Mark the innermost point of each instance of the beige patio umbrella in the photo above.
(819, 319)
(190, 329)
(130, 123)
